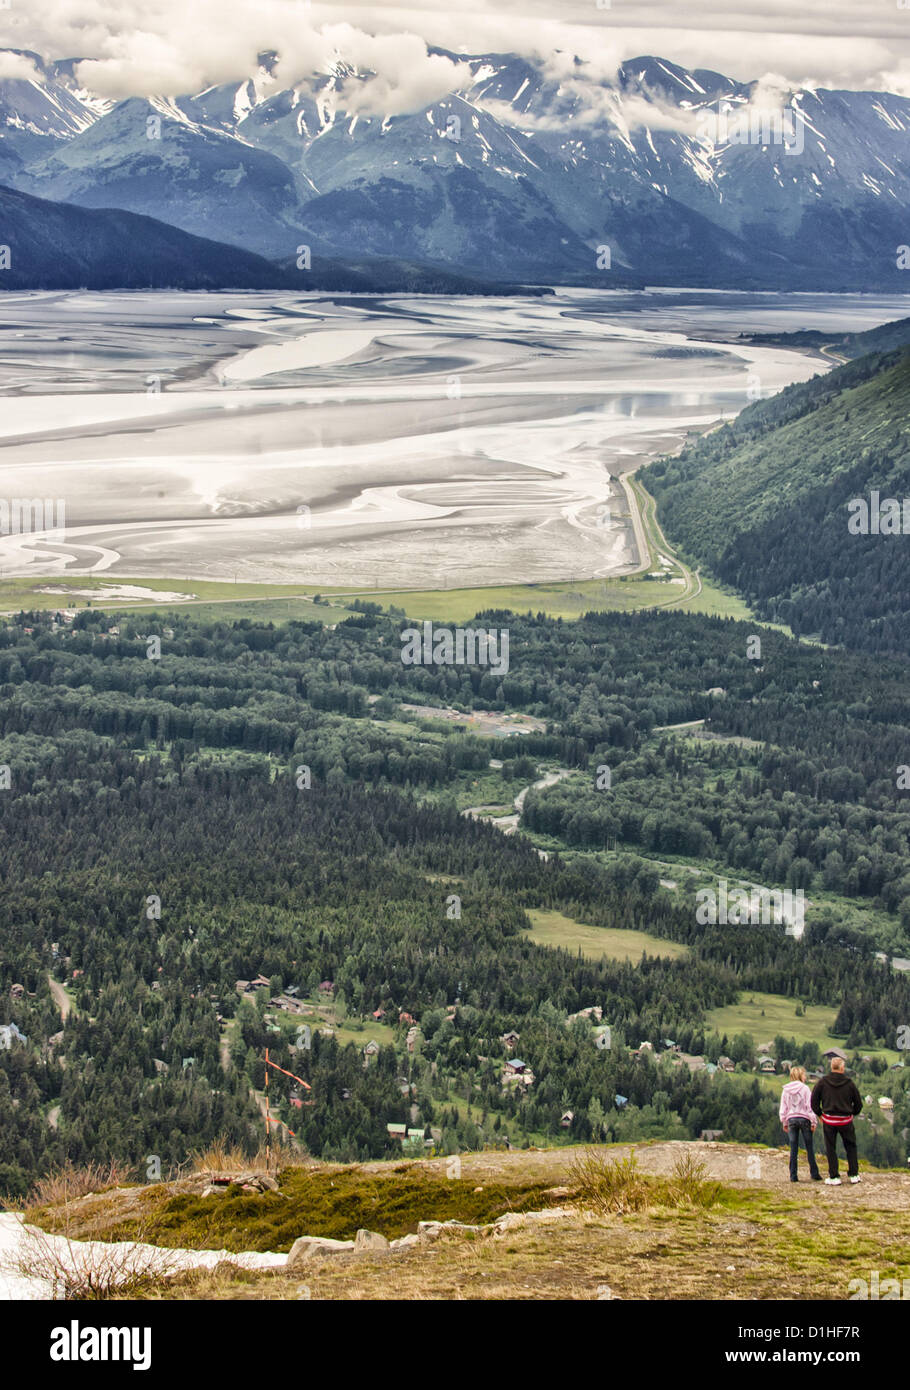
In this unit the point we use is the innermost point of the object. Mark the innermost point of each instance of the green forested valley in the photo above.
(265, 803)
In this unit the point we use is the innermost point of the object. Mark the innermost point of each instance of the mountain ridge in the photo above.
(517, 172)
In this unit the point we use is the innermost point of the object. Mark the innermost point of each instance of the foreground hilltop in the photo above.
(650, 1221)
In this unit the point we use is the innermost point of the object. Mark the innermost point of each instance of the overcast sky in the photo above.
(175, 46)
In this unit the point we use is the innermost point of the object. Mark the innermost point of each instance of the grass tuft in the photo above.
(67, 1183)
(616, 1187)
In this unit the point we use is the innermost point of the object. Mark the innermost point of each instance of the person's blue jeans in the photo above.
(804, 1128)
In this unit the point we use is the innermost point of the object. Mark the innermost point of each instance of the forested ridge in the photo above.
(764, 503)
(176, 782)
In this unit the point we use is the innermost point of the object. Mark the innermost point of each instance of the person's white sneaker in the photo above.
(856, 1179)
(832, 1182)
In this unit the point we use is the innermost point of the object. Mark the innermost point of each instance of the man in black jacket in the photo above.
(836, 1099)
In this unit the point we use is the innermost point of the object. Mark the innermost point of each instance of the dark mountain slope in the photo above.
(764, 503)
(57, 246)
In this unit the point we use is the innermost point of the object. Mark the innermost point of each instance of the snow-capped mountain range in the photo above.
(686, 177)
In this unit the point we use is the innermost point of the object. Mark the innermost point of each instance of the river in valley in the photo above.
(396, 441)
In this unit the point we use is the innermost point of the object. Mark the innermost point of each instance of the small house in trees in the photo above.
(620, 1101)
(251, 986)
(709, 1136)
(327, 987)
(835, 1052)
(396, 1131)
(378, 1014)
(17, 992)
(406, 1018)
(602, 1038)
(286, 1004)
(9, 1034)
(510, 1039)
(768, 1065)
(726, 1064)
(370, 1050)
(566, 1118)
(885, 1103)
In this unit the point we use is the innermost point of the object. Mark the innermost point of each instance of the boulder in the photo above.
(314, 1247)
(431, 1230)
(370, 1240)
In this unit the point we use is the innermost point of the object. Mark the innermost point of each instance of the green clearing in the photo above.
(211, 598)
(347, 1030)
(490, 790)
(268, 610)
(767, 1015)
(558, 600)
(567, 600)
(351, 1032)
(278, 603)
(555, 929)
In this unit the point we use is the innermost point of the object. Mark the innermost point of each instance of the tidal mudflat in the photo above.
(402, 441)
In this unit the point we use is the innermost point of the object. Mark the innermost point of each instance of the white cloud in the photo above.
(407, 77)
(16, 65)
(172, 46)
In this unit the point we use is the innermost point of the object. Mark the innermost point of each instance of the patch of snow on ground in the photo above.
(16, 1242)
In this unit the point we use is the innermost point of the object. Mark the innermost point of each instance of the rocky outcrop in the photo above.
(308, 1248)
(247, 1182)
(432, 1230)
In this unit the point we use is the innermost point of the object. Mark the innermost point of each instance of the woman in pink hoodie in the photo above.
(797, 1118)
